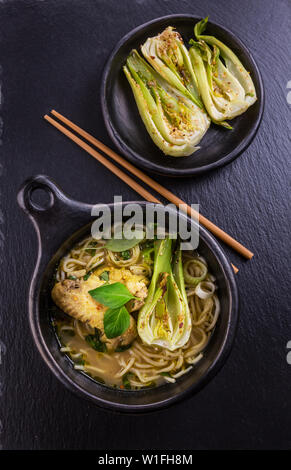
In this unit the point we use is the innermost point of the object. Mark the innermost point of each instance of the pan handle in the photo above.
(56, 216)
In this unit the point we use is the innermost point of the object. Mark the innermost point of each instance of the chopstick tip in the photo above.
(235, 269)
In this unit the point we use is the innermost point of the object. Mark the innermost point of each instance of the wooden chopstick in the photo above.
(123, 176)
(114, 169)
(219, 233)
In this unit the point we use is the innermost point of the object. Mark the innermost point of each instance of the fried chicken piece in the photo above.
(73, 298)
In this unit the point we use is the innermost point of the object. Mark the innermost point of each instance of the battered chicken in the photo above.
(72, 297)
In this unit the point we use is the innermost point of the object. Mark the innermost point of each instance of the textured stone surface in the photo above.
(52, 56)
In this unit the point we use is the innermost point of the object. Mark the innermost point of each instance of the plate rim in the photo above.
(139, 161)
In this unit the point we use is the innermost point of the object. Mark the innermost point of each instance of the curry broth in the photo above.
(102, 367)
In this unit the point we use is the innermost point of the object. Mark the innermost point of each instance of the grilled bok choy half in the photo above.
(174, 122)
(165, 320)
(225, 86)
(168, 55)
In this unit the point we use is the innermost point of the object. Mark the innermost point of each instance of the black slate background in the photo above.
(52, 56)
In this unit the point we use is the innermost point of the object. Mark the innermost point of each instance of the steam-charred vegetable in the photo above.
(173, 121)
(165, 319)
(226, 88)
(168, 55)
(232, 62)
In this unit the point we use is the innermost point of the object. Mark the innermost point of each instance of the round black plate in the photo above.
(125, 127)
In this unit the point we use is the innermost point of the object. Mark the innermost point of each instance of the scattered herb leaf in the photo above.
(118, 245)
(126, 382)
(112, 295)
(95, 342)
(116, 321)
(87, 275)
(104, 276)
(125, 254)
(73, 278)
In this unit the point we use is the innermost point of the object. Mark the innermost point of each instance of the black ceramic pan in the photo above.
(61, 223)
(125, 127)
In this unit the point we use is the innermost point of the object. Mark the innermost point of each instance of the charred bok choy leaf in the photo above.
(225, 86)
(165, 319)
(174, 122)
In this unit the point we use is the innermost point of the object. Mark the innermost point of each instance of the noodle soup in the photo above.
(156, 347)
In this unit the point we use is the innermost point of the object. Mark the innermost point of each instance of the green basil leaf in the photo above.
(112, 295)
(116, 321)
(104, 276)
(118, 245)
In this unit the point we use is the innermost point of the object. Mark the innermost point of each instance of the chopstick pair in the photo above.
(219, 233)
